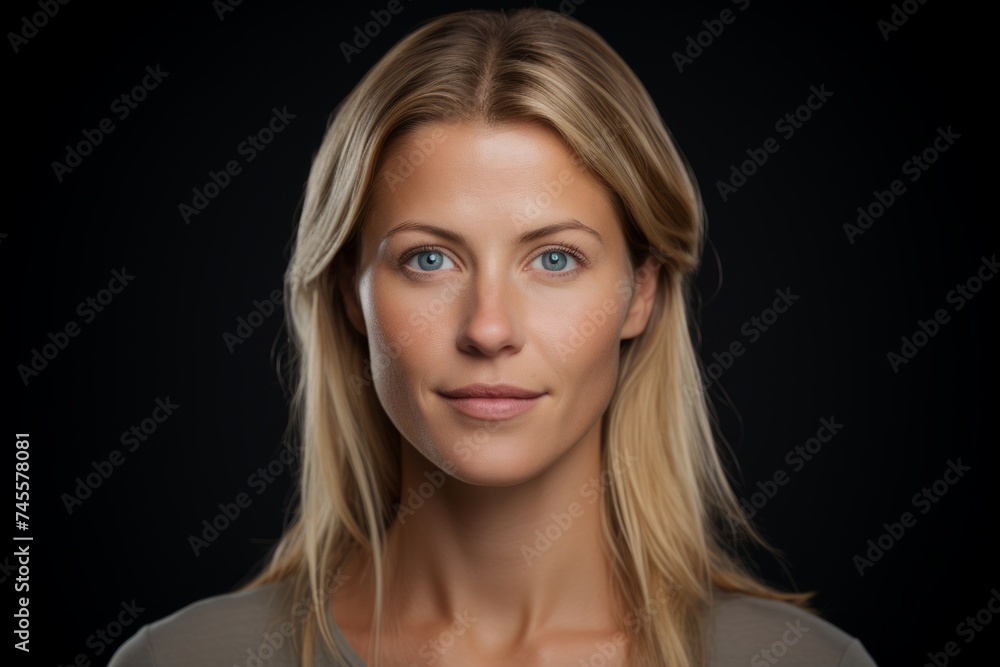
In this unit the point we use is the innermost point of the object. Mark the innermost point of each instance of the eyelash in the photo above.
(568, 248)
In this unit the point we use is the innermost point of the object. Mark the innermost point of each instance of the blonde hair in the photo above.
(672, 523)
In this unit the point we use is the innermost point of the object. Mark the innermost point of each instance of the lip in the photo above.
(481, 390)
(493, 402)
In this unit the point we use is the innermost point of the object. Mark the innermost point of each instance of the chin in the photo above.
(486, 457)
(486, 472)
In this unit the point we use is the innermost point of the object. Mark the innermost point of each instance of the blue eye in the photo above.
(555, 261)
(428, 260)
(562, 262)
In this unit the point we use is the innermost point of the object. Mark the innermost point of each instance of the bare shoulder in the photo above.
(755, 631)
(239, 628)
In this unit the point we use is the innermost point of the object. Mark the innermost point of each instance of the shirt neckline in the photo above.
(341, 640)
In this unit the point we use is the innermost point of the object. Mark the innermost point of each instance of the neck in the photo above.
(518, 561)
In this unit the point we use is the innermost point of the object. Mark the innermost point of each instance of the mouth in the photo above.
(492, 402)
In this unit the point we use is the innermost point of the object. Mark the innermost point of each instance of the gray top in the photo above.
(238, 629)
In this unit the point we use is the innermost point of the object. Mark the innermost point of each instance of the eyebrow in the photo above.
(525, 237)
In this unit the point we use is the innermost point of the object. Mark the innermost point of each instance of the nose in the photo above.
(490, 324)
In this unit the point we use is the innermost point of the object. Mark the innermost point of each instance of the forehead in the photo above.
(505, 178)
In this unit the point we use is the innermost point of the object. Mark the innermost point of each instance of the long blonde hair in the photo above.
(669, 524)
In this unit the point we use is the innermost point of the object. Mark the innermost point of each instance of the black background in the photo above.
(162, 336)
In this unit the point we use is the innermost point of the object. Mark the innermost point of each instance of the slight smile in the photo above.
(491, 402)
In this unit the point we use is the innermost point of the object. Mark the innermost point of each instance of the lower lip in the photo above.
(492, 408)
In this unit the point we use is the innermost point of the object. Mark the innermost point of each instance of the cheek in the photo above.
(406, 334)
(580, 336)
(388, 339)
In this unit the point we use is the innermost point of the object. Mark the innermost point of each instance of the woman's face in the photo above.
(490, 257)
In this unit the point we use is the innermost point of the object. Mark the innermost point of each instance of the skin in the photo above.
(492, 310)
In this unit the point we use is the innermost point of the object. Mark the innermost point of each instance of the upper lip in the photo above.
(491, 391)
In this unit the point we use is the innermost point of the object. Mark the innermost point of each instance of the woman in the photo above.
(524, 473)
